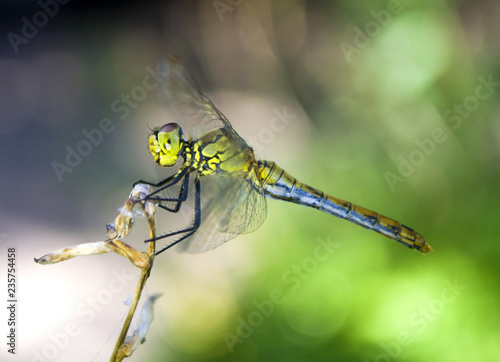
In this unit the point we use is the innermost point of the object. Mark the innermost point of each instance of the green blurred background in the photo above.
(393, 106)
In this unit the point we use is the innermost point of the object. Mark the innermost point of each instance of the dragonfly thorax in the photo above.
(165, 144)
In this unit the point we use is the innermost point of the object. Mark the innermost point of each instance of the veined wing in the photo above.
(230, 206)
(194, 112)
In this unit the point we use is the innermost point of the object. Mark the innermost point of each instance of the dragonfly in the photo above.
(230, 185)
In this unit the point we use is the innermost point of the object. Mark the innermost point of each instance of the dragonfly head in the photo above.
(165, 144)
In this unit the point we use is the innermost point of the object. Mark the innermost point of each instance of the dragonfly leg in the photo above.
(190, 230)
(168, 179)
(179, 200)
(168, 182)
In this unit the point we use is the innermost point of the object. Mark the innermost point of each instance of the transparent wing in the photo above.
(194, 112)
(172, 192)
(230, 206)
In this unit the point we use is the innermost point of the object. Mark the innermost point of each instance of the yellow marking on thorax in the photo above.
(217, 153)
(196, 156)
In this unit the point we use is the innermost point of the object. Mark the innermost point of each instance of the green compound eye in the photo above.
(165, 144)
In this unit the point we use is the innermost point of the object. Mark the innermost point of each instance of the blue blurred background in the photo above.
(392, 105)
